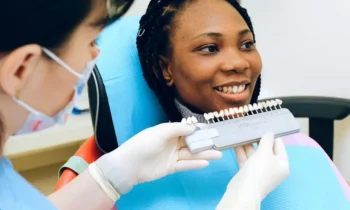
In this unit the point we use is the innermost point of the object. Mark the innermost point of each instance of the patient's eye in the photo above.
(248, 45)
(209, 49)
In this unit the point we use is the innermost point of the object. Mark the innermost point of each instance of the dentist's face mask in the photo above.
(37, 121)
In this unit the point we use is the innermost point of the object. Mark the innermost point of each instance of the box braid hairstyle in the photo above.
(153, 40)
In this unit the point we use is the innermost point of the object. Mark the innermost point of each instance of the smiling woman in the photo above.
(199, 51)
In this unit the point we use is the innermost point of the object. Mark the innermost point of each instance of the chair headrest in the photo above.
(132, 103)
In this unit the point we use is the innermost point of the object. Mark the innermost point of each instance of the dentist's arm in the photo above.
(261, 171)
(150, 155)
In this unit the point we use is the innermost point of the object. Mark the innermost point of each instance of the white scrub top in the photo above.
(17, 194)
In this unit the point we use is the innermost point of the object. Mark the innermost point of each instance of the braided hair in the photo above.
(153, 40)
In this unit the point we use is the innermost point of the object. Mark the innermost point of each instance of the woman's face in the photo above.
(213, 61)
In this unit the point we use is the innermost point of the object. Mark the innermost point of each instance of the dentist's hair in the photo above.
(153, 40)
(48, 23)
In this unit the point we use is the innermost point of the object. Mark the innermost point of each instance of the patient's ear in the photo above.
(166, 71)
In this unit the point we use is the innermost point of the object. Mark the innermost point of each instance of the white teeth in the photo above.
(232, 89)
(183, 121)
(189, 121)
(235, 89)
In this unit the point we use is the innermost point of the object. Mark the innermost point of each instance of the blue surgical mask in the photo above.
(37, 121)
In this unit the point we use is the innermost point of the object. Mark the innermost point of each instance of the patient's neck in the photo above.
(186, 112)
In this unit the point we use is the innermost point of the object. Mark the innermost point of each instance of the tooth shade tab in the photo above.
(260, 105)
(231, 110)
(251, 108)
(246, 109)
(227, 113)
(194, 120)
(216, 114)
(189, 121)
(184, 121)
(206, 117)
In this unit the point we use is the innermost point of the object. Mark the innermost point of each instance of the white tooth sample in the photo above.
(206, 117)
(222, 113)
(232, 112)
(256, 107)
(264, 105)
(225, 89)
(194, 120)
(235, 89)
(211, 115)
(251, 108)
(184, 121)
(269, 103)
(227, 113)
(273, 102)
(229, 89)
(260, 105)
(279, 101)
(246, 109)
(216, 114)
(241, 110)
(236, 110)
(189, 121)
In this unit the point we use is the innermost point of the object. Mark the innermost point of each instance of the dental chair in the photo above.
(122, 105)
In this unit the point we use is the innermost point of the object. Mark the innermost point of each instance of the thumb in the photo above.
(280, 150)
(267, 142)
(171, 130)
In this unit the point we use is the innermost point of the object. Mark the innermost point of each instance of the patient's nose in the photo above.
(233, 61)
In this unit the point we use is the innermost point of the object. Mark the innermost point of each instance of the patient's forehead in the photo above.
(207, 16)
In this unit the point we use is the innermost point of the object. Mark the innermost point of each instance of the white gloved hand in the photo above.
(152, 154)
(268, 166)
(261, 171)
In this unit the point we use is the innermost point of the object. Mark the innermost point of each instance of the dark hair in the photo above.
(2, 135)
(153, 40)
(45, 22)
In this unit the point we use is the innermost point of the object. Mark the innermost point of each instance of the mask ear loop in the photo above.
(59, 61)
(24, 105)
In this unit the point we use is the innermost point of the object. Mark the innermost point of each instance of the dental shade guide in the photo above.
(240, 126)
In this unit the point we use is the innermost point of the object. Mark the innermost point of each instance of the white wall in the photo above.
(305, 49)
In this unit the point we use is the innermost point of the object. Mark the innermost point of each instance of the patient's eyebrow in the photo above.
(209, 34)
(218, 35)
(244, 32)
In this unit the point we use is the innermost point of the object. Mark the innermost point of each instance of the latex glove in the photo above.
(261, 171)
(152, 154)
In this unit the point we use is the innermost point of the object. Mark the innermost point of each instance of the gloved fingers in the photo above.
(185, 154)
(249, 150)
(185, 165)
(280, 150)
(267, 142)
(182, 143)
(171, 130)
(241, 156)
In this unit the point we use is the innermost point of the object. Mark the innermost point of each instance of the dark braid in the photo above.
(154, 40)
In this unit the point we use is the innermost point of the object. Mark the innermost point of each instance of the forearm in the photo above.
(240, 195)
(82, 193)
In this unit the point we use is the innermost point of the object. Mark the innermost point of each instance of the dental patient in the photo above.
(200, 56)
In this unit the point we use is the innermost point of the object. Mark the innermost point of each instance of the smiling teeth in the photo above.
(232, 89)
